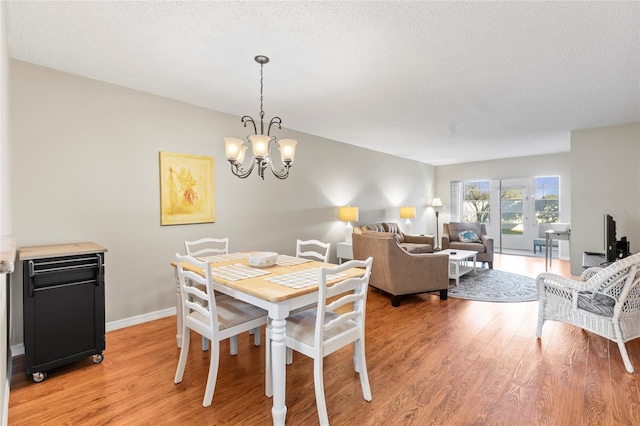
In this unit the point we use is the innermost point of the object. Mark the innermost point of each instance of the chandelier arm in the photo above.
(237, 170)
(277, 121)
(247, 119)
(283, 173)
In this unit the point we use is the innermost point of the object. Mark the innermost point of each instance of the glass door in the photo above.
(516, 215)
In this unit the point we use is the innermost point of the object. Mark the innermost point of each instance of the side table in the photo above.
(344, 251)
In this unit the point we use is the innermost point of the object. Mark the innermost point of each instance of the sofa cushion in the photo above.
(377, 227)
(392, 227)
(457, 245)
(417, 248)
(467, 236)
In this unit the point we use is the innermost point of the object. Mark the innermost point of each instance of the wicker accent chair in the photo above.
(606, 301)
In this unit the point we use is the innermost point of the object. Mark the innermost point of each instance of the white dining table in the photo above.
(278, 300)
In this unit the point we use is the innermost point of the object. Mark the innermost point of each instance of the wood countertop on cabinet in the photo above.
(53, 250)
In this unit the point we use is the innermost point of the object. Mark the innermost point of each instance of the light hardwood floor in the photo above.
(453, 362)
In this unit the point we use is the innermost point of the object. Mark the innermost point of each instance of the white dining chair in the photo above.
(314, 249)
(213, 319)
(334, 324)
(205, 247)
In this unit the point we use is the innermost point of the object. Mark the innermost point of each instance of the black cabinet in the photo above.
(63, 305)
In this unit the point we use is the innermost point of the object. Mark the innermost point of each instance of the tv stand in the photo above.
(622, 248)
(591, 259)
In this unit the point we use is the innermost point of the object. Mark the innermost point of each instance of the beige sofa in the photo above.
(410, 242)
(484, 245)
(398, 272)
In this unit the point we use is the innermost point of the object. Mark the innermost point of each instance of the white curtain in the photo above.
(457, 188)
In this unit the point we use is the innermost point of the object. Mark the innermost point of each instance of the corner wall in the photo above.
(606, 179)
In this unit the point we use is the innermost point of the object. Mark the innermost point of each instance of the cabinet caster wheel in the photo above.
(39, 377)
(97, 358)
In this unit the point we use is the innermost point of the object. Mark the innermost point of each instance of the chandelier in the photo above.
(236, 149)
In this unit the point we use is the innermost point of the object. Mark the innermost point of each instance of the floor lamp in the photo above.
(436, 203)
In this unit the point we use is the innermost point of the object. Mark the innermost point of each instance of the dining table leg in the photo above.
(278, 368)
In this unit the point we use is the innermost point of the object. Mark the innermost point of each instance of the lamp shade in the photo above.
(243, 150)
(232, 147)
(287, 149)
(407, 212)
(348, 214)
(260, 145)
(436, 202)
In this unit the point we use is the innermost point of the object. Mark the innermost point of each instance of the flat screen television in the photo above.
(610, 247)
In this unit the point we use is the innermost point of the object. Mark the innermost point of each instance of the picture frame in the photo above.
(186, 189)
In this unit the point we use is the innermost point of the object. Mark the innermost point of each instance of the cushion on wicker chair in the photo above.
(596, 303)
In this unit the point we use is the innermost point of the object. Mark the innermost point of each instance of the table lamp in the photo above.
(408, 213)
(436, 203)
(348, 214)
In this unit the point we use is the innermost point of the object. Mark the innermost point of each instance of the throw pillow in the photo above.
(468, 236)
(597, 303)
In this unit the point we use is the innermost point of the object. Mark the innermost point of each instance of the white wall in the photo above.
(85, 168)
(606, 179)
(510, 168)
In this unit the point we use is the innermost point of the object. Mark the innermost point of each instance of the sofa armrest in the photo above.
(445, 241)
(418, 239)
(488, 243)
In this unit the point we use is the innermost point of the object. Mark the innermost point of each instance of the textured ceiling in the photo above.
(437, 82)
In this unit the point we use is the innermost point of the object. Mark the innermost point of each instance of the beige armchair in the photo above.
(398, 272)
(484, 246)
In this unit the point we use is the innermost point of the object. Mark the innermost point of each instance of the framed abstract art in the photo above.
(186, 189)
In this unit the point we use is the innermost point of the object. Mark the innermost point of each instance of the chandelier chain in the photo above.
(261, 106)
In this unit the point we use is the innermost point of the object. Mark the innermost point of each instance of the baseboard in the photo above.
(116, 325)
(140, 319)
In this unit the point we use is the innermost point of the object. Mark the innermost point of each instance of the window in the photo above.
(547, 199)
(476, 206)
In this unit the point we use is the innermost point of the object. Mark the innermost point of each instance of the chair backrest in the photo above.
(313, 248)
(451, 228)
(207, 247)
(197, 295)
(621, 281)
(348, 300)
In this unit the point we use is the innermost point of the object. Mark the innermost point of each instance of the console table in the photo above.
(550, 236)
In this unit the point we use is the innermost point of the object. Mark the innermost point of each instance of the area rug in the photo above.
(491, 285)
